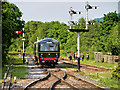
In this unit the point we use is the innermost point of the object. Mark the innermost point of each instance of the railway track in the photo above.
(47, 82)
(73, 82)
(32, 84)
(60, 79)
(57, 78)
(61, 75)
(85, 66)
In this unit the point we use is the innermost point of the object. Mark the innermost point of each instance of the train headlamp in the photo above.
(41, 55)
(56, 55)
(55, 58)
(42, 58)
(43, 61)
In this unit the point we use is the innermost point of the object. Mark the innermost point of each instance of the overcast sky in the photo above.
(58, 10)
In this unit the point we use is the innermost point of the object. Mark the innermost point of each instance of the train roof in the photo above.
(35, 42)
(48, 40)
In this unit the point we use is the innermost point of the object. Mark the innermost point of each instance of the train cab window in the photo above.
(53, 47)
(49, 47)
(44, 47)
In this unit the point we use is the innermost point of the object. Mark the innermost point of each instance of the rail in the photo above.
(65, 75)
(62, 80)
(52, 86)
(59, 80)
(41, 79)
(7, 76)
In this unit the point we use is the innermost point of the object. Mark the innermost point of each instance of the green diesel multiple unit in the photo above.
(47, 51)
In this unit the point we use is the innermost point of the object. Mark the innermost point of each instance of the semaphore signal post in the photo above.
(23, 47)
(71, 23)
(23, 44)
(71, 12)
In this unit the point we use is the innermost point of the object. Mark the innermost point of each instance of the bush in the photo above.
(116, 71)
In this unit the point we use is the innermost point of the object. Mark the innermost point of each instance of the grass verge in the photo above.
(99, 64)
(4, 68)
(104, 78)
(19, 70)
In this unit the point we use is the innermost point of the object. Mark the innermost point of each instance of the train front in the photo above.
(49, 52)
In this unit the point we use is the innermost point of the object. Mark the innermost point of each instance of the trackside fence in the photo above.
(7, 77)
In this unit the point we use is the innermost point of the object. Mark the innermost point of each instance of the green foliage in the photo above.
(113, 42)
(108, 34)
(116, 71)
(11, 21)
(81, 23)
(105, 79)
(102, 37)
(8, 61)
(71, 44)
(34, 29)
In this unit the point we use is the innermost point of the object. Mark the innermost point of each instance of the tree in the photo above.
(109, 21)
(97, 39)
(11, 21)
(81, 23)
(114, 40)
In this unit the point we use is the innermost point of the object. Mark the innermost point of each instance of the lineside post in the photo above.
(23, 48)
(71, 23)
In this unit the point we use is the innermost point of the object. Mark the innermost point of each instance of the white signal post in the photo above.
(89, 7)
(71, 23)
(23, 48)
(78, 44)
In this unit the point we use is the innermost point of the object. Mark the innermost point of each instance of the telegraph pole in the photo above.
(23, 48)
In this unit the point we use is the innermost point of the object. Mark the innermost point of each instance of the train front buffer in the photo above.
(48, 58)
